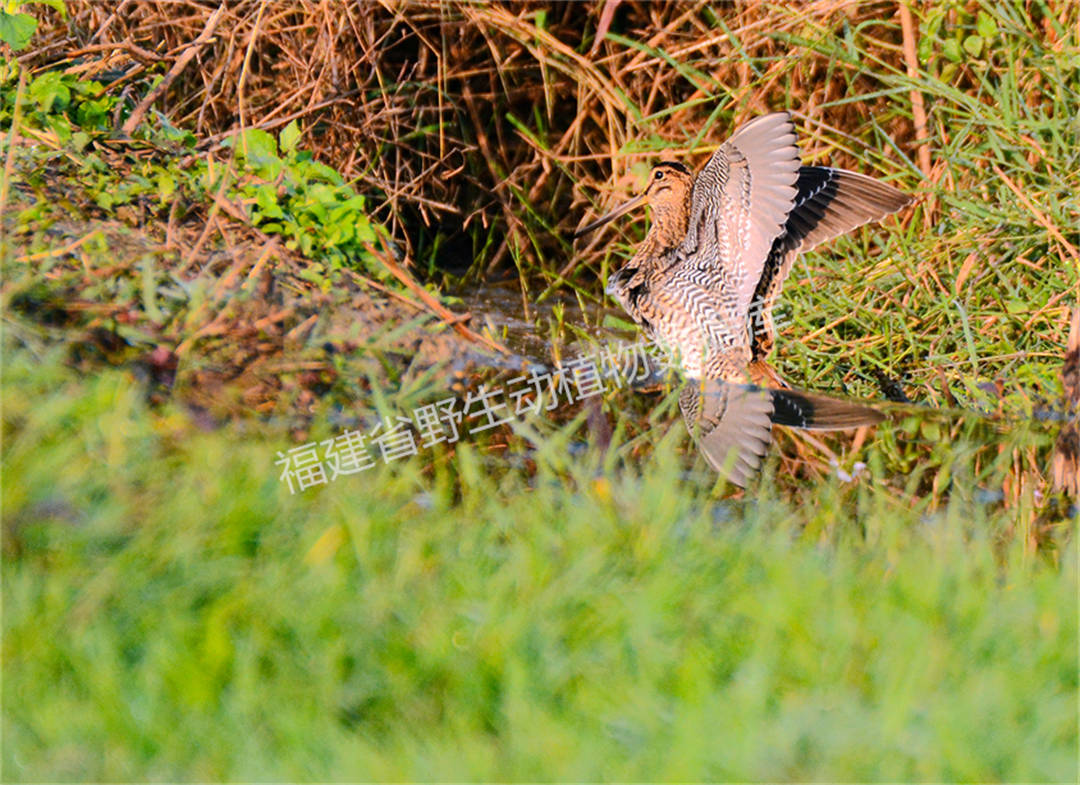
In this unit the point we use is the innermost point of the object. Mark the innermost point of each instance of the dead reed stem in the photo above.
(181, 63)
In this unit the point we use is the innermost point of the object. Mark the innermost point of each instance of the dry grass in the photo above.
(485, 129)
(462, 114)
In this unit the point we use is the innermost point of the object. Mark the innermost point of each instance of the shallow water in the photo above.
(525, 327)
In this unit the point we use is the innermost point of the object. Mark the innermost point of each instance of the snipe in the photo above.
(707, 276)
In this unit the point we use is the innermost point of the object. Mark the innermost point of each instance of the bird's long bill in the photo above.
(620, 210)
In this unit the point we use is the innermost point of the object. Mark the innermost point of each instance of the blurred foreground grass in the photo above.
(172, 613)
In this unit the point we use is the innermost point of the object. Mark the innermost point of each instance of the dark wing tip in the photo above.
(801, 409)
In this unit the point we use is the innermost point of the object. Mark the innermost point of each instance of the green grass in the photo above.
(530, 606)
(172, 613)
(978, 289)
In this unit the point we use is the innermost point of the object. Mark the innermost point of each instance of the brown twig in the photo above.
(112, 18)
(181, 63)
(918, 107)
(365, 281)
(126, 46)
(9, 159)
(268, 125)
(246, 67)
(61, 251)
(448, 316)
(219, 201)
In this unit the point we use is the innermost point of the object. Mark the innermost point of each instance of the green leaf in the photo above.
(254, 142)
(166, 186)
(172, 133)
(973, 45)
(266, 200)
(324, 196)
(289, 137)
(610, 320)
(313, 170)
(315, 209)
(933, 22)
(986, 26)
(313, 272)
(926, 49)
(341, 234)
(92, 114)
(56, 5)
(951, 50)
(49, 91)
(363, 230)
(16, 30)
(149, 290)
(60, 126)
(259, 149)
(348, 208)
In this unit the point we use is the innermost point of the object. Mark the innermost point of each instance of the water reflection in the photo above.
(732, 423)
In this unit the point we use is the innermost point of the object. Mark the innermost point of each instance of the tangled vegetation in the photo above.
(231, 229)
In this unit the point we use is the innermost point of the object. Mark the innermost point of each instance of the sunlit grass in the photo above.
(532, 605)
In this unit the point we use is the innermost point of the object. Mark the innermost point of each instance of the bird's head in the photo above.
(668, 196)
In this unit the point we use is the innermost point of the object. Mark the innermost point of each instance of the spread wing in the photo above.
(828, 203)
(740, 202)
(732, 423)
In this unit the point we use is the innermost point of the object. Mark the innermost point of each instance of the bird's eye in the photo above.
(659, 174)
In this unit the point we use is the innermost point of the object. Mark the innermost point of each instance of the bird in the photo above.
(706, 278)
(1065, 463)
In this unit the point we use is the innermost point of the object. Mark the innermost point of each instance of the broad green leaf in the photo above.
(951, 49)
(16, 30)
(266, 199)
(933, 22)
(166, 186)
(92, 114)
(986, 26)
(48, 91)
(289, 137)
(610, 320)
(254, 142)
(364, 232)
(60, 126)
(172, 133)
(926, 49)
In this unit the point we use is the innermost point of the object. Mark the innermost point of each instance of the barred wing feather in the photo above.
(740, 202)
